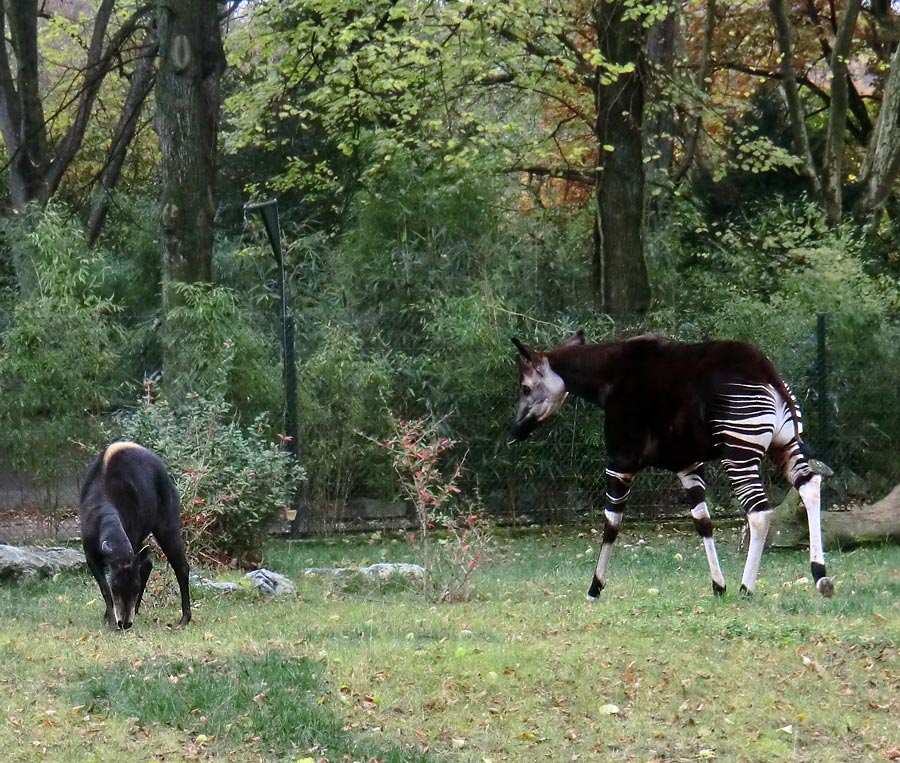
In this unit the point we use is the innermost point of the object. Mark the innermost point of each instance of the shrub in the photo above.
(219, 350)
(454, 538)
(233, 480)
(59, 364)
(343, 392)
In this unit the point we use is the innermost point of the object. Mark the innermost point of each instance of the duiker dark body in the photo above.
(128, 496)
(675, 406)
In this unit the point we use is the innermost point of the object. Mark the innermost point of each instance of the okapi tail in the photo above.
(794, 409)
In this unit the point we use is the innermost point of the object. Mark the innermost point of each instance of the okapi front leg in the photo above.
(618, 486)
(695, 487)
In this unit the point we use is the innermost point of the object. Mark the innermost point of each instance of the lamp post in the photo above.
(269, 212)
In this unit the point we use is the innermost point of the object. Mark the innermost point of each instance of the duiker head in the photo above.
(124, 575)
(541, 392)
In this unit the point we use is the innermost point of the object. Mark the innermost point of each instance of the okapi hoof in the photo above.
(825, 586)
(718, 590)
(594, 590)
(746, 591)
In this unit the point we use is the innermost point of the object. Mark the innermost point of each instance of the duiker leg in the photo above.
(618, 486)
(695, 487)
(146, 568)
(172, 545)
(98, 571)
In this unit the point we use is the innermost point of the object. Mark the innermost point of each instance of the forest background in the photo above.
(448, 175)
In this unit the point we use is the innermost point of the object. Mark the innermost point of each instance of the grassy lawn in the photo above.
(659, 670)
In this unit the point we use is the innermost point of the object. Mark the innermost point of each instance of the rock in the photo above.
(17, 563)
(213, 585)
(382, 571)
(270, 582)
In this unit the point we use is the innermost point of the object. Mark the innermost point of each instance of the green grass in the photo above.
(658, 669)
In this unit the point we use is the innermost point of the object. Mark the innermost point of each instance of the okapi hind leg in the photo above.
(618, 486)
(811, 495)
(746, 483)
(809, 485)
(695, 487)
(759, 522)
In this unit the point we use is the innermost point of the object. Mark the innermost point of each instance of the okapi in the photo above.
(674, 405)
(127, 496)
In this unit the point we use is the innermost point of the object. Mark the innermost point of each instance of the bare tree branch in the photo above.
(690, 150)
(792, 96)
(142, 80)
(832, 169)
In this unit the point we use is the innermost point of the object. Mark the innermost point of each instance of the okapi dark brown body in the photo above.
(127, 496)
(675, 406)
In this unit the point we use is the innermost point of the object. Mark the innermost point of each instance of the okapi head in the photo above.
(541, 390)
(124, 575)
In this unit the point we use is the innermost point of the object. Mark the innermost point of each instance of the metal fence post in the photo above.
(823, 405)
(269, 211)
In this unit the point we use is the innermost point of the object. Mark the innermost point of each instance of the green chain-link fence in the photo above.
(851, 423)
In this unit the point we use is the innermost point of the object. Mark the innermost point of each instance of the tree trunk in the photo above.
(35, 167)
(877, 523)
(882, 161)
(191, 62)
(621, 283)
(833, 165)
(21, 111)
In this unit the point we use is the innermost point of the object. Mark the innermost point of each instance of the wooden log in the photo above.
(878, 522)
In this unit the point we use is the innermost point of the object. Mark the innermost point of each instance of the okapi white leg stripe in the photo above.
(810, 494)
(759, 529)
(614, 518)
(701, 511)
(603, 562)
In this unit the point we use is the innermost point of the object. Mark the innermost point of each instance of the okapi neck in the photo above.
(587, 370)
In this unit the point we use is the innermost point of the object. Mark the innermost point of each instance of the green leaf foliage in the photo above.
(233, 480)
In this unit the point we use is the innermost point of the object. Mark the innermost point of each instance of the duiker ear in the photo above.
(523, 350)
(576, 340)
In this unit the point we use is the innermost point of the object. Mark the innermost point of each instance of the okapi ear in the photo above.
(523, 350)
(576, 340)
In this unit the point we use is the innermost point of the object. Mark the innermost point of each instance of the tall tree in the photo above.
(191, 64)
(620, 272)
(835, 58)
(36, 159)
(550, 91)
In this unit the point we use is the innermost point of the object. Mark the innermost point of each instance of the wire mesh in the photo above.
(851, 415)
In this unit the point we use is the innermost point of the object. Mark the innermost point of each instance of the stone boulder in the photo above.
(24, 562)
